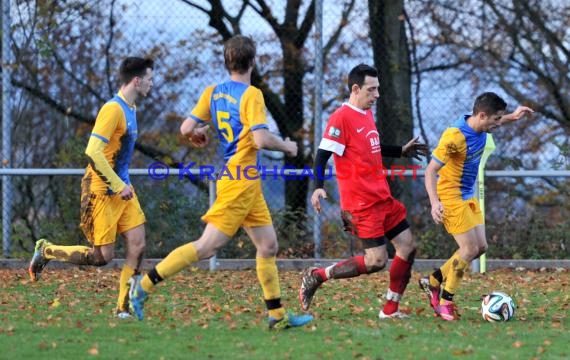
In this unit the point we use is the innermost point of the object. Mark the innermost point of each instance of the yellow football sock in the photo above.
(455, 273)
(268, 277)
(123, 301)
(77, 254)
(278, 313)
(178, 259)
(444, 270)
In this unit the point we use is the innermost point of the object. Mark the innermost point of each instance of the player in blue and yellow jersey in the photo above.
(109, 205)
(237, 111)
(453, 200)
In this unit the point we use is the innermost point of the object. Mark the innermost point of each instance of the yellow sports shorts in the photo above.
(460, 216)
(238, 203)
(104, 216)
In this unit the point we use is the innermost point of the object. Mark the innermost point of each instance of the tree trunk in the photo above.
(392, 59)
(293, 73)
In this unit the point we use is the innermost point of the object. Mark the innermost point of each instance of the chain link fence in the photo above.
(65, 56)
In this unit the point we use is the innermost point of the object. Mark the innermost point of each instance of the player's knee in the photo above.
(272, 250)
(267, 248)
(405, 243)
(377, 264)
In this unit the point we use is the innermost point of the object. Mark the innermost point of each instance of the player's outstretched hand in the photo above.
(414, 149)
(518, 113)
(316, 199)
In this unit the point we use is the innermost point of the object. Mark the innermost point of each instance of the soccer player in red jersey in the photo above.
(368, 209)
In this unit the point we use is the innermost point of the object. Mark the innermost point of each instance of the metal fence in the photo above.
(59, 61)
(173, 206)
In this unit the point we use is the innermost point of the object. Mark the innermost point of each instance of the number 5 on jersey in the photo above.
(224, 124)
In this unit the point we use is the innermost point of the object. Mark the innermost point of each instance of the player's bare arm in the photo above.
(266, 140)
(520, 112)
(188, 126)
(431, 188)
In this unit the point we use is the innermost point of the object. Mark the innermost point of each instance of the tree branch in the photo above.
(539, 21)
(217, 14)
(306, 26)
(265, 13)
(347, 9)
(417, 73)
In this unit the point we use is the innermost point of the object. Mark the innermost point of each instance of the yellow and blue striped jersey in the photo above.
(459, 152)
(236, 109)
(111, 146)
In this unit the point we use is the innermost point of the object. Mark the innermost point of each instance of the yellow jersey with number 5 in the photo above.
(235, 109)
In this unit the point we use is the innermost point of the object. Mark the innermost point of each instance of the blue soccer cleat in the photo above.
(38, 262)
(289, 321)
(137, 296)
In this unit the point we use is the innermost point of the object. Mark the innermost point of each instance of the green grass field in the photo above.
(219, 315)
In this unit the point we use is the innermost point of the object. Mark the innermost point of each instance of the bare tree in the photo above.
(523, 46)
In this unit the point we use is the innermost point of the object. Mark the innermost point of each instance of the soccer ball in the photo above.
(497, 306)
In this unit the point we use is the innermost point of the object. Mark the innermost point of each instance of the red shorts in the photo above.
(375, 221)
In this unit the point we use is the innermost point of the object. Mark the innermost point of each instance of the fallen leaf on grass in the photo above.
(93, 351)
(461, 352)
(9, 330)
(54, 303)
(357, 309)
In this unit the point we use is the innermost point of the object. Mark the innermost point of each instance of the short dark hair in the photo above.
(239, 54)
(132, 67)
(359, 73)
(489, 103)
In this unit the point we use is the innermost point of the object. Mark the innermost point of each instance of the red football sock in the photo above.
(400, 273)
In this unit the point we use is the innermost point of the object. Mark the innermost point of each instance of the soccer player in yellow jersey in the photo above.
(453, 200)
(109, 205)
(237, 111)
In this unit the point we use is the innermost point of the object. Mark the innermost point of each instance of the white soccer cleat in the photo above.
(397, 315)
